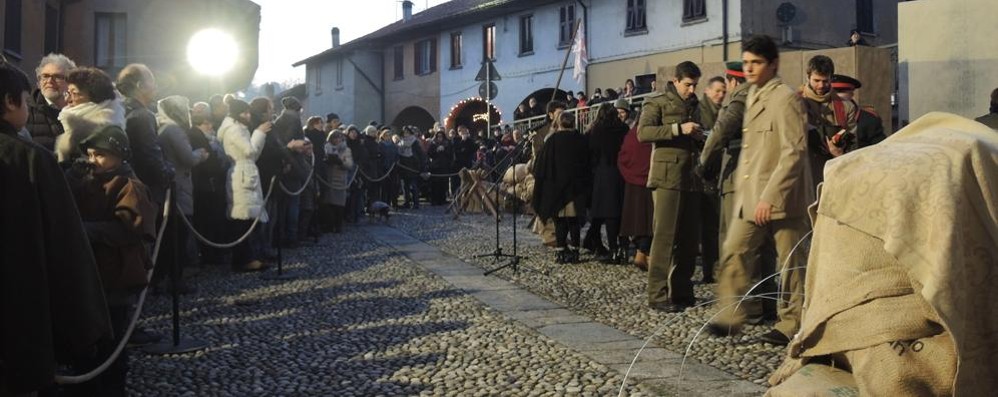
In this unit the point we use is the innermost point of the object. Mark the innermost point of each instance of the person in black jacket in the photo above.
(606, 135)
(464, 155)
(137, 83)
(308, 223)
(288, 129)
(49, 99)
(208, 179)
(441, 156)
(361, 157)
(373, 166)
(561, 185)
(412, 162)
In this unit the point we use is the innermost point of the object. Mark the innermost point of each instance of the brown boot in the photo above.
(641, 261)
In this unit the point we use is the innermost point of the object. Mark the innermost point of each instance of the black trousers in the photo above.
(594, 235)
(246, 251)
(111, 382)
(565, 228)
(172, 249)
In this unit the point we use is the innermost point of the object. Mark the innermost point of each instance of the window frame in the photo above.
(339, 74)
(13, 28)
(398, 61)
(690, 14)
(566, 25)
(636, 17)
(861, 21)
(489, 42)
(423, 59)
(456, 60)
(526, 35)
(113, 18)
(53, 30)
(318, 78)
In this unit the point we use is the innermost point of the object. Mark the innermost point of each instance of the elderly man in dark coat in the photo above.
(49, 99)
(53, 305)
(137, 83)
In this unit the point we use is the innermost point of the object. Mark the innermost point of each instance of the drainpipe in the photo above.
(724, 28)
(585, 18)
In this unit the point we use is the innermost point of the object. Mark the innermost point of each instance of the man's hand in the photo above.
(763, 213)
(689, 128)
(833, 149)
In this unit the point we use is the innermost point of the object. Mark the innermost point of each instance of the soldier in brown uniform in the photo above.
(869, 126)
(710, 197)
(831, 121)
(671, 121)
(719, 160)
(772, 193)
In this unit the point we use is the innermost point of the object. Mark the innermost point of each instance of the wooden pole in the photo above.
(564, 63)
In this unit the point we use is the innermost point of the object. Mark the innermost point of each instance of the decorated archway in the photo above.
(414, 115)
(471, 113)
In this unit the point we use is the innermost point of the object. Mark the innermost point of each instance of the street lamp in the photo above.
(212, 52)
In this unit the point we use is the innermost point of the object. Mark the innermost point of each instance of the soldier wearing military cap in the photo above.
(991, 119)
(869, 126)
(670, 119)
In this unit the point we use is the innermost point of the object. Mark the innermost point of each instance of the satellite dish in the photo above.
(786, 12)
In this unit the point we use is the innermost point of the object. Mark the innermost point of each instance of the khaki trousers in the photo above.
(676, 229)
(741, 260)
(766, 257)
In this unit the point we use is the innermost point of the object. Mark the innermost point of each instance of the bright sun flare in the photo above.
(212, 52)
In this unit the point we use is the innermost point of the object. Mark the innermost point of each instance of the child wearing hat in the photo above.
(120, 218)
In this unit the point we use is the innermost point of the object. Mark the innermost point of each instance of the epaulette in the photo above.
(869, 109)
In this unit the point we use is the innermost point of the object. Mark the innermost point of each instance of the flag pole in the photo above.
(564, 63)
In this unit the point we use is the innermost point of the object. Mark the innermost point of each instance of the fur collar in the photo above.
(84, 119)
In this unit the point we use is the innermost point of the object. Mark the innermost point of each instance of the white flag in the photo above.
(581, 56)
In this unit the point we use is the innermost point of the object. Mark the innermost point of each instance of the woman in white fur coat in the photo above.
(244, 191)
(93, 103)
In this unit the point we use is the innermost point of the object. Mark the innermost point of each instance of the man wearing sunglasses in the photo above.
(49, 99)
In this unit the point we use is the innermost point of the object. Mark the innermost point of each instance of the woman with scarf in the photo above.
(174, 119)
(339, 167)
(93, 103)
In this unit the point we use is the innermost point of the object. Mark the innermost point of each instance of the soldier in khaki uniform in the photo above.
(719, 160)
(710, 197)
(670, 120)
(772, 192)
(554, 109)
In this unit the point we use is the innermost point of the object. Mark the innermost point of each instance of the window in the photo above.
(694, 10)
(339, 73)
(110, 40)
(51, 29)
(566, 22)
(397, 54)
(425, 61)
(318, 79)
(12, 27)
(489, 42)
(864, 16)
(456, 42)
(526, 35)
(636, 12)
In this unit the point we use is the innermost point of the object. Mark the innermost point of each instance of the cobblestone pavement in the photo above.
(362, 320)
(611, 294)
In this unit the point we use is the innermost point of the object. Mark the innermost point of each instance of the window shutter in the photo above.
(433, 55)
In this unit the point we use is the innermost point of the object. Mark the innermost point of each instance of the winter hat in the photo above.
(622, 104)
(175, 108)
(110, 138)
(352, 127)
(371, 131)
(291, 103)
(337, 133)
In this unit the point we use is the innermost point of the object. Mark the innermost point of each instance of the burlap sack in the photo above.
(922, 367)
(816, 380)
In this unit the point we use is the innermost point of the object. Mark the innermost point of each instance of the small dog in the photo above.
(379, 210)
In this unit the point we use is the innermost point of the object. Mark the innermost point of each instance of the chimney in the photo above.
(336, 37)
(406, 10)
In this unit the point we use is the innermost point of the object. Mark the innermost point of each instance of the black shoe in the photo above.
(142, 337)
(774, 337)
(605, 258)
(721, 330)
(573, 256)
(560, 257)
(667, 307)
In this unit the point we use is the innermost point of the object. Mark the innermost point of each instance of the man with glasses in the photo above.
(48, 100)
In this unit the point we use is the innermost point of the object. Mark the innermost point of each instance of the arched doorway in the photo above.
(543, 96)
(471, 113)
(414, 115)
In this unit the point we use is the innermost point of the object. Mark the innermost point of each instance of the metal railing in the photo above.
(583, 116)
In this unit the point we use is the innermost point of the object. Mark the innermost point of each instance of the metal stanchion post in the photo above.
(176, 345)
(279, 275)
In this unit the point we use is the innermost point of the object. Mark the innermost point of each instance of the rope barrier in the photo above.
(303, 185)
(383, 177)
(241, 238)
(77, 379)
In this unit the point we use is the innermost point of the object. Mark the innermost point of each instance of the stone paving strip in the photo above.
(613, 295)
(361, 319)
(652, 365)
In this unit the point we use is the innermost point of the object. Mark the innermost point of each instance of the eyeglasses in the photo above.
(54, 77)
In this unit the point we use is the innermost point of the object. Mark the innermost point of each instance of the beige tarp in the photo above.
(927, 199)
